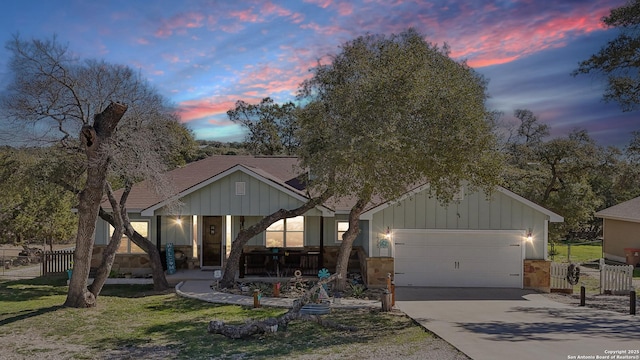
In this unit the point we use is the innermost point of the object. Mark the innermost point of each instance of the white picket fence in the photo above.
(615, 278)
(559, 277)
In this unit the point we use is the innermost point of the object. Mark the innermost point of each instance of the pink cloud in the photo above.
(345, 9)
(272, 79)
(202, 108)
(323, 30)
(174, 59)
(516, 35)
(266, 10)
(321, 3)
(245, 15)
(179, 23)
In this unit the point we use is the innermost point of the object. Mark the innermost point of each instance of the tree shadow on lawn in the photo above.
(28, 314)
(556, 322)
(131, 291)
(32, 289)
(190, 339)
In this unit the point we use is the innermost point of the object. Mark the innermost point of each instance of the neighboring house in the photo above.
(620, 231)
(477, 241)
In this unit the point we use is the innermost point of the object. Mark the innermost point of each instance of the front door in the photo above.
(212, 241)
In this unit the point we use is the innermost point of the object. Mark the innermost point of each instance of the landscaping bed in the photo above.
(295, 287)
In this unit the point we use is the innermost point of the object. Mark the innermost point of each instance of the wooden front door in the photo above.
(212, 243)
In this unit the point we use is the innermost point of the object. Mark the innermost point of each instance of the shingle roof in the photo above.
(283, 170)
(627, 211)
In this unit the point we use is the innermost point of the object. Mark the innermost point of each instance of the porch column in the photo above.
(321, 260)
(158, 232)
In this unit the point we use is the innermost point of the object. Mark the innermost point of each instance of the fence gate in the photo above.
(559, 282)
(615, 278)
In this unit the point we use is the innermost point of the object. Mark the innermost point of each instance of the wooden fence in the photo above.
(56, 262)
(615, 278)
(559, 282)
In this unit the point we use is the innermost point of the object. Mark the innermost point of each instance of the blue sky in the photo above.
(206, 55)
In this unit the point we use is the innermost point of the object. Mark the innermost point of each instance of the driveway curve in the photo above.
(520, 324)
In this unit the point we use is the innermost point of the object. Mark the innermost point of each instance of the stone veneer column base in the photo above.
(537, 275)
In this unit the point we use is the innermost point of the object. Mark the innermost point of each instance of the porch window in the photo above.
(127, 246)
(286, 233)
(342, 227)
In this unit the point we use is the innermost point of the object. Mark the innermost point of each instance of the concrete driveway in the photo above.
(520, 324)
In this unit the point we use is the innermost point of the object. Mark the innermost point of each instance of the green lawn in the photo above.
(579, 253)
(132, 321)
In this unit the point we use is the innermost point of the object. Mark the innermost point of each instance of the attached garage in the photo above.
(456, 258)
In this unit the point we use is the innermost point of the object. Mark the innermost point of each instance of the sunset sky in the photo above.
(206, 55)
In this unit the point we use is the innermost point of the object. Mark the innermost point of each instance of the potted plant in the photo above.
(70, 270)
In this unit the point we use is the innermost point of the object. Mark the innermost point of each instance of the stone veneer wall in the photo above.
(136, 264)
(376, 271)
(537, 275)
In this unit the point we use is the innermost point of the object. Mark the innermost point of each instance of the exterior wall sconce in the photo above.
(529, 236)
(179, 220)
(384, 243)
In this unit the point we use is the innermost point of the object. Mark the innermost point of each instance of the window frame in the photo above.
(284, 232)
(111, 229)
(338, 232)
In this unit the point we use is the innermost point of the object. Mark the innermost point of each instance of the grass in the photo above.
(133, 321)
(579, 253)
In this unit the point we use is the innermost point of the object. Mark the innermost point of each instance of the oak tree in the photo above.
(619, 59)
(392, 112)
(126, 133)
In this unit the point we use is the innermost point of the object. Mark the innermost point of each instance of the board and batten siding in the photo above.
(473, 212)
(219, 198)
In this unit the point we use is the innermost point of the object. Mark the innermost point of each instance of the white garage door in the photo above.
(455, 258)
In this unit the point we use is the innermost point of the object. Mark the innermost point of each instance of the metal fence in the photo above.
(16, 266)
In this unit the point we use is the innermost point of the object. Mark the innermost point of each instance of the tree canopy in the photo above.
(270, 126)
(619, 59)
(113, 124)
(391, 112)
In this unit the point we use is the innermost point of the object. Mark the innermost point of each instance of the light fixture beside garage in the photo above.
(384, 242)
(529, 236)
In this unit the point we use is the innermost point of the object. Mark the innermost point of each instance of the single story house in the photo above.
(480, 240)
(621, 232)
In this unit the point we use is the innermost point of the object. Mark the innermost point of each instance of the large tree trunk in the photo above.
(109, 254)
(243, 237)
(342, 265)
(159, 279)
(94, 139)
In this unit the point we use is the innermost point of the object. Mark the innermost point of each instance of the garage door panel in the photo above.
(458, 258)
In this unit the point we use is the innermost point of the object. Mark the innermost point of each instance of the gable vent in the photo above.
(240, 188)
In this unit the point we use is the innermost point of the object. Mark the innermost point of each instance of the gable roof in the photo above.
(282, 172)
(278, 170)
(553, 217)
(625, 211)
